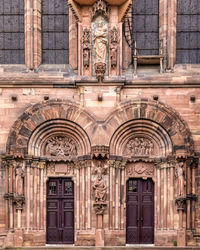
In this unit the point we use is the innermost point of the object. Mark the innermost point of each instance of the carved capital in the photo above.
(181, 202)
(19, 201)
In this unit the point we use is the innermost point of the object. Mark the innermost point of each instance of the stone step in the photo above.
(102, 248)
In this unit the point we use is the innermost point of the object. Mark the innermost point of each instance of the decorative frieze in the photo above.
(66, 168)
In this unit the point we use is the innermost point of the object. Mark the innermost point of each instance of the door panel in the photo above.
(60, 211)
(140, 211)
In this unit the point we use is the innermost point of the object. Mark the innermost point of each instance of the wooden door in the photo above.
(60, 211)
(140, 211)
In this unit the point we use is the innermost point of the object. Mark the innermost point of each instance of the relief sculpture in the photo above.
(60, 147)
(100, 188)
(139, 147)
(140, 169)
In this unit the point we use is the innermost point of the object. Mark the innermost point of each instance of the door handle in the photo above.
(62, 225)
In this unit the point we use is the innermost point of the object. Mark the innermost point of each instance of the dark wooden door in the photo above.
(60, 211)
(140, 212)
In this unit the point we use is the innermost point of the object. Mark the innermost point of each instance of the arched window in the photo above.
(145, 25)
(55, 32)
(12, 32)
(188, 31)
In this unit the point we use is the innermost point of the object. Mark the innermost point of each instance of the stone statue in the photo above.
(99, 189)
(179, 174)
(100, 43)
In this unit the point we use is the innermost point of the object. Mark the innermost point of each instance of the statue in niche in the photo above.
(99, 189)
(19, 178)
(100, 42)
(179, 174)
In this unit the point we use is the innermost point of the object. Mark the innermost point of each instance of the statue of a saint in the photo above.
(99, 189)
(100, 43)
(179, 174)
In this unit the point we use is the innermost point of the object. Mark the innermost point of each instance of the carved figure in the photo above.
(19, 175)
(61, 146)
(140, 147)
(141, 169)
(86, 48)
(99, 189)
(179, 174)
(100, 43)
(114, 40)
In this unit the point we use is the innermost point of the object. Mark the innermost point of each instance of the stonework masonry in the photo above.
(79, 151)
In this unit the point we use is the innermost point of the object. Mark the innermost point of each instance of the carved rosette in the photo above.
(100, 188)
(139, 146)
(140, 169)
(100, 70)
(60, 148)
(86, 42)
(114, 40)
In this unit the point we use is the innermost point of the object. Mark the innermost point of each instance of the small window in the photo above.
(68, 187)
(132, 186)
(52, 187)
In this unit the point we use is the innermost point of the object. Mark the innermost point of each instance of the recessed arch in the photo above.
(53, 117)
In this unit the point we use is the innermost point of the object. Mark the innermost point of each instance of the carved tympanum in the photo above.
(139, 146)
(140, 169)
(61, 147)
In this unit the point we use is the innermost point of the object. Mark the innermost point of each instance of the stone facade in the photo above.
(99, 128)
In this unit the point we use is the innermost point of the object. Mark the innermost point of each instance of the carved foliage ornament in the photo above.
(139, 146)
(60, 147)
(100, 7)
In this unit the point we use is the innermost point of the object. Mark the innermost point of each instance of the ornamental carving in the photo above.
(61, 168)
(140, 169)
(100, 208)
(100, 7)
(181, 202)
(100, 70)
(139, 146)
(86, 41)
(60, 147)
(114, 40)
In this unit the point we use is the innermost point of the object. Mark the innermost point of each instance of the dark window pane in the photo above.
(55, 32)
(12, 32)
(188, 31)
(146, 26)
